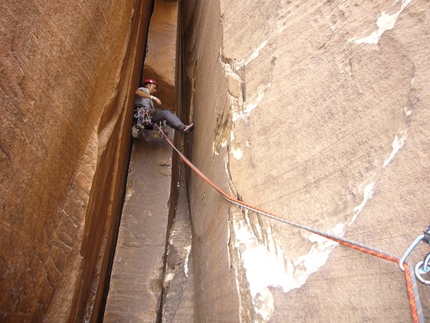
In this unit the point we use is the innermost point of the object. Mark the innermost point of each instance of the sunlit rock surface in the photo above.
(314, 111)
(160, 59)
(317, 112)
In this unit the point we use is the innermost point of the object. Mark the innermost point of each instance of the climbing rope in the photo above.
(411, 285)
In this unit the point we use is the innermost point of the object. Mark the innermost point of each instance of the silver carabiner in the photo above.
(424, 237)
(409, 250)
(423, 267)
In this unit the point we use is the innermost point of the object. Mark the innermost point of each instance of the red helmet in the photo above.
(150, 81)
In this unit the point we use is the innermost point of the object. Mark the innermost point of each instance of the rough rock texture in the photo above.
(160, 60)
(178, 285)
(317, 112)
(67, 71)
(135, 291)
(138, 268)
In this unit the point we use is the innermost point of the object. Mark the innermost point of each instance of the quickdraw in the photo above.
(422, 267)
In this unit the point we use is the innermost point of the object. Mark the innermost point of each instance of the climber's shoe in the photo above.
(188, 129)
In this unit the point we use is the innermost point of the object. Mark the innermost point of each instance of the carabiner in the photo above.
(422, 268)
(424, 237)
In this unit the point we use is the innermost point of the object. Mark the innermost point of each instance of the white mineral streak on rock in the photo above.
(237, 153)
(129, 193)
(216, 153)
(407, 112)
(317, 256)
(385, 22)
(266, 265)
(279, 28)
(169, 277)
(265, 300)
(253, 102)
(231, 136)
(240, 109)
(234, 91)
(188, 249)
(253, 55)
(397, 144)
(367, 195)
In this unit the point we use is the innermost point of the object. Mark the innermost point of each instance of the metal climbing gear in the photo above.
(143, 120)
(142, 116)
(423, 267)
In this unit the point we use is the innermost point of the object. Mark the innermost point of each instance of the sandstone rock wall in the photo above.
(135, 289)
(318, 112)
(160, 59)
(67, 73)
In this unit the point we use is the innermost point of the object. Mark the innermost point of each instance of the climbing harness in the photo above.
(411, 285)
(143, 120)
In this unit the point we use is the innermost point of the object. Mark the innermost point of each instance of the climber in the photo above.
(144, 98)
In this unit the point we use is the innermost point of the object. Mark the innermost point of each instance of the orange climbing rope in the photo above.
(411, 286)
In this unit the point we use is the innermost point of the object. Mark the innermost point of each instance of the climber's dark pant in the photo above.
(171, 119)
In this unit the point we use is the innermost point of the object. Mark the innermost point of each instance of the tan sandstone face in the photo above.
(314, 111)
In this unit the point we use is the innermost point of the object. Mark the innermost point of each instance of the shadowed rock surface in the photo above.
(138, 268)
(68, 72)
(178, 286)
(317, 112)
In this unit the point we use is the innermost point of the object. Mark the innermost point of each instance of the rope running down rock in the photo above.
(411, 285)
